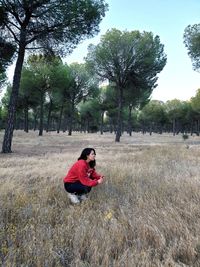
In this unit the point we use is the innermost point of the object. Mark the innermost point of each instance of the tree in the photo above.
(42, 67)
(192, 42)
(135, 98)
(103, 103)
(83, 87)
(127, 60)
(187, 117)
(90, 114)
(153, 115)
(5, 101)
(110, 102)
(195, 102)
(28, 93)
(174, 112)
(61, 81)
(54, 25)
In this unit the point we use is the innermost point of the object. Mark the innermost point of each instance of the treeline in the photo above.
(54, 96)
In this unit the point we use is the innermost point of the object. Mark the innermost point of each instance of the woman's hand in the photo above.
(100, 180)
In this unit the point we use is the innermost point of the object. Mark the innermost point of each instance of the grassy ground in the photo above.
(146, 213)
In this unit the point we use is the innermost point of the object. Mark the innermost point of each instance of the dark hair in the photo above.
(86, 152)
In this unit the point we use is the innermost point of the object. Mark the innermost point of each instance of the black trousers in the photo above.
(77, 188)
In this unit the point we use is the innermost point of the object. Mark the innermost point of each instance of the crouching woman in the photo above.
(82, 176)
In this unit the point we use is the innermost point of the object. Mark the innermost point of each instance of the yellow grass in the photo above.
(147, 212)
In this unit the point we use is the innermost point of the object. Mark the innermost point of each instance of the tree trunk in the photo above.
(41, 113)
(65, 123)
(102, 114)
(174, 127)
(191, 127)
(88, 125)
(143, 128)
(150, 129)
(35, 122)
(49, 115)
(81, 125)
(60, 119)
(198, 126)
(7, 142)
(119, 117)
(70, 126)
(177, 127)
(111, 125)
(71, 119)
(129, 121)
(26, 118)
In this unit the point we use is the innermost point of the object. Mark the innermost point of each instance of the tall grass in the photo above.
(146, 213)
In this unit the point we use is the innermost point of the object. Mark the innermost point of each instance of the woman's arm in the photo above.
(95, 175)
(83, 176)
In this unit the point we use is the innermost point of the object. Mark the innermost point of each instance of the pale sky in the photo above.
(167, 19)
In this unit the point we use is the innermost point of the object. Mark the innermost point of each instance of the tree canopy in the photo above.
(51, 24)
(7, 51)
(192, 42)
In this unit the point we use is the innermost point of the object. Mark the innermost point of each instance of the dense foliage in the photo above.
(192, 43)
(7, 51)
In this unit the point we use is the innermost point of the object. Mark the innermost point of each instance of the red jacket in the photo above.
(82, 172)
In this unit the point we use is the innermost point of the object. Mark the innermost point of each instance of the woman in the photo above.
(82, 176)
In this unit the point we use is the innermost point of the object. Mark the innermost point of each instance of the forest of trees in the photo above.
(49, 95)
(58, 97)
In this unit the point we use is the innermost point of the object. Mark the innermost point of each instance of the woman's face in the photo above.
(91, 156)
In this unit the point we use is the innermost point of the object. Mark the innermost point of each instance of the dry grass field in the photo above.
(146, 213)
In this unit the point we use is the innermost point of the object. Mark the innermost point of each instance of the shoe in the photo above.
(82, 197)
(73, 198)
